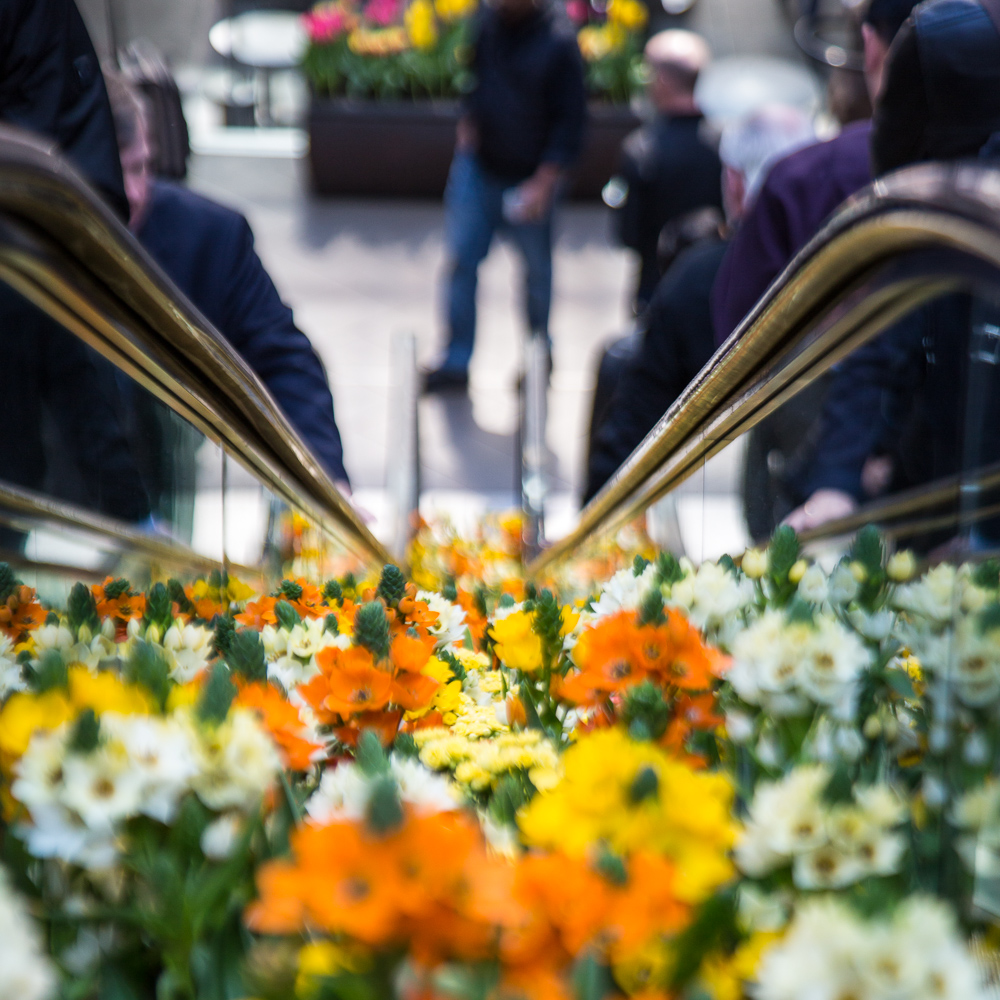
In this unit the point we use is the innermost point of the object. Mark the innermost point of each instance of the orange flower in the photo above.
(259, 613)
(281, 719)
(21, 614)
(412, 691)
(417, 884)
(411, 653)
(349, 682)
(114, 599)
(384, 725)
(415, 614)
(685, 661)
(311, 603)
(475, 621)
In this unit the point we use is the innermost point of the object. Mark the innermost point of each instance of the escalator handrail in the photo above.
(63, 222)
(948, 206)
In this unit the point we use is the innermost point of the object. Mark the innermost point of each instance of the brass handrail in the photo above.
(825, 304)
(63, 249)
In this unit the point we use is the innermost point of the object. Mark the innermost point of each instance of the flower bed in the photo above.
(707, 782)
(386, 77)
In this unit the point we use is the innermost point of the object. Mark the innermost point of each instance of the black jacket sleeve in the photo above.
(567, 99)
(260, 326)
(51, 83)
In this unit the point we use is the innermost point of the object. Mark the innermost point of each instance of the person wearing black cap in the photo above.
(900, 400)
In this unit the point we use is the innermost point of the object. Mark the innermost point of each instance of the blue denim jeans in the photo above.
(473, 214)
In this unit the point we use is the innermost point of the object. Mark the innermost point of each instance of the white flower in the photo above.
(188, 648)
(164, 756)
(901, 566)
(102, 787)
(739, 726)
(932, 596)
(450, 626)
(307, 638)
(624, 591)
(875, 626)
(813, 586)
(760, 911)
(238, 762)
(833, 661)
(11, 678)
(344, 791)
(826, 867)
(25, 971)
(712, 595)
(842, 588)
(219, 837)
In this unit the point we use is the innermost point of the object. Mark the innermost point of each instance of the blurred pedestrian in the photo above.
(51, 84)
(208, 252)
(921, 401)
(668, 167)
(677, 341)
(520, 132)
(803, 189)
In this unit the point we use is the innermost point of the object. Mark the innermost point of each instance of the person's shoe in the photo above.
(443, 379)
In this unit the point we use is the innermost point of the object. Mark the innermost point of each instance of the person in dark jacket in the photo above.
(803, 190)
(668, 167)
(51, 84)
(677, 338)
(208, 252)
(911, 397)
(521, 131)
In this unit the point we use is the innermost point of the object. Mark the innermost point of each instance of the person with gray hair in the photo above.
(668, 167)
(677, 331)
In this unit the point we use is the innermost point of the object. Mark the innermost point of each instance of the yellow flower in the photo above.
(324, 958)
(438, 670)
(517, 645)
(105, 692)
(632, 795)
(183, 696)
(570, 619)
(421, 25)
(454, 10)
(25, 714)
(474, 775)
(375, 42)
(725, 978)
(598, 41)
(471, 660)
(630, 14)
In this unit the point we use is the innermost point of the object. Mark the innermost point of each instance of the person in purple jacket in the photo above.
(803, 190)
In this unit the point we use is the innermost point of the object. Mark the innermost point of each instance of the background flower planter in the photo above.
(403, 148)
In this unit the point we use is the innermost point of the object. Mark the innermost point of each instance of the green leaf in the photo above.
(370, 755)
(290, 590)
(217, 695)
(645, 785)
(118, 588)
(177, 595)
(332, 592)
(225, 631)
(839, 789)
(782, 553)
(511, 792)
(331, 625)
(591, 979)
(645, 711)
(799, 612)
(668, 569)
(651, 608)
(987, 574)
(611, 866)
(8, 582)
(159, 607)
(81, 609)
(371, 629)
(51, 672)
(547, 624)
(506, 601)
(86, 734)
(988, 618)
(901, 683)
(405, 746)
(713, 928)
(287, 616)
(639, 565)
(384, 812)
(449, 591)
(246, 655)
(391, 585)
(147, 667)
(868, 549)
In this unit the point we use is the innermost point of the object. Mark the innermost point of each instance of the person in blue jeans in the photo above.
(520, 133)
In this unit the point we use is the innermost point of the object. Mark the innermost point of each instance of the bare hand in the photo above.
(537, 192)
(466, 136)
(822, 506)
(876, 475)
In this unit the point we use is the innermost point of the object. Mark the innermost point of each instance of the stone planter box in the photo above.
(403, 148)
